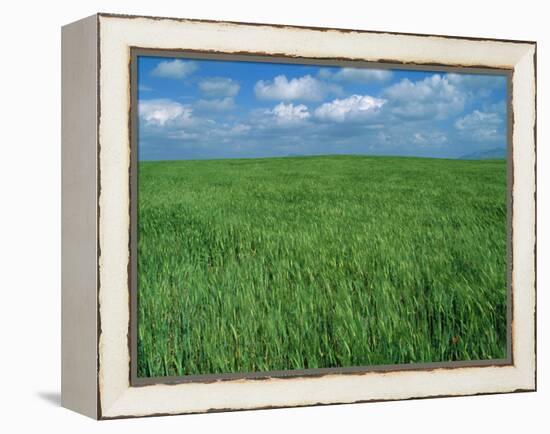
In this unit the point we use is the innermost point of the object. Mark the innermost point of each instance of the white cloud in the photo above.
(355, 107)
(476, 119)
(289, 114)
(174, 68)
(477, 81)
(219, 105)
(239, 129)
(305, 88)
(356, 75)
(429, 138)
(482, 126)
(159, 112)
(182, 135)
(435, 97)
(219, 87)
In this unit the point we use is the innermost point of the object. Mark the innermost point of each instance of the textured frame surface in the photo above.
(116, 36)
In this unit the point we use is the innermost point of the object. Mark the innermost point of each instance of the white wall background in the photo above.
(30, 216)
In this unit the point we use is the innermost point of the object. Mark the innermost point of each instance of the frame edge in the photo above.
(79, 324)
(114, 411)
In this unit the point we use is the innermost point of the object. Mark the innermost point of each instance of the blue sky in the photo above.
(197, 109)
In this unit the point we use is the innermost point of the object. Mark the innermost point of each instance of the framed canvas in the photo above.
(262, 216)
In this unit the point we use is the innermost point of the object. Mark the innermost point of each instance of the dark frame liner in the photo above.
(136, 52)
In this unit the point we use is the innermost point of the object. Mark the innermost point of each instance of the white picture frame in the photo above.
(96, 161)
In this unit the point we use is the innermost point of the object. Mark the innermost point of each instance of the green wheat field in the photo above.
(316, 262)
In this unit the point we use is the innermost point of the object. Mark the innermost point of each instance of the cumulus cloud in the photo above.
(289, 114)
(160, 112)
(476, 119)
(355, 107)
(305, 88)
(355, 75)
(432, 138)
(435, 97)
(482, 126)
(332, 110)
(239, 129)
(217, 105)
(182, 135)
(175, 69)
(477, 81)
(219, 87)
(477, 86)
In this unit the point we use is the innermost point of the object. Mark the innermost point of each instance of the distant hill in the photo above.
(485, 155)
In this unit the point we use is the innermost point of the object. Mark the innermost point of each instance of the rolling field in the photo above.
(315, 262)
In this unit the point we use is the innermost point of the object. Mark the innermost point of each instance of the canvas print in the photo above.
(302, 216)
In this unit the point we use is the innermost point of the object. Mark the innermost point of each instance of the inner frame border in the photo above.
(135, 52)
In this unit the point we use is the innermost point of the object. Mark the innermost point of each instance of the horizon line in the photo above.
(461, 158)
